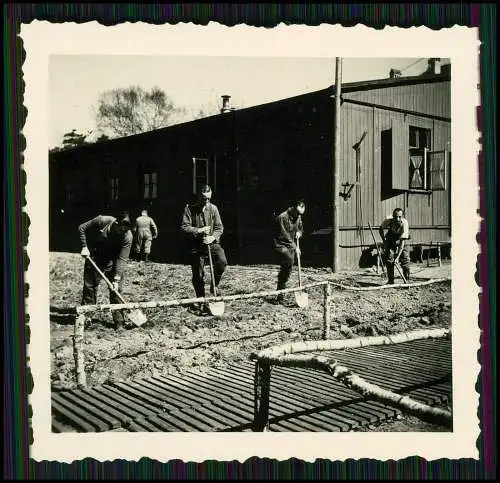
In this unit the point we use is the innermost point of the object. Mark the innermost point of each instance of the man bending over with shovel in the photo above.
(289, 228)
(202, 226)
(398, 231)
(107, 240)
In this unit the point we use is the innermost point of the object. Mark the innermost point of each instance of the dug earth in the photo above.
(175, 340)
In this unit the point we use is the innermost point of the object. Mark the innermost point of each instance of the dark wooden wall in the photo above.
(265, 156)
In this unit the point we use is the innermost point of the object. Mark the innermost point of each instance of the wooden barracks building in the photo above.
(395, 140)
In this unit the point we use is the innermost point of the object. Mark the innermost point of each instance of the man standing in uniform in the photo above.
(146, 231)
(202, 226)
(398, 231)
(289, 230)
(108, 241)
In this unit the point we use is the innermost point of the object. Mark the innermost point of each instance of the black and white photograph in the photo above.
(244, 238)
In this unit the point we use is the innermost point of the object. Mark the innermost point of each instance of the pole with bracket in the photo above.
(336, 166)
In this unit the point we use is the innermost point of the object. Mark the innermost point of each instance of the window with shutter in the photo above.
(204, 172)
(150, 185)
(419, 143)
(200, 173)
(146, 185)
(399, 155)
(437, 161)
(154, 185)
(417, 171)
(407, 164)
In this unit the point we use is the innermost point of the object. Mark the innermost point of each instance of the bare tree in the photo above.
(132, 110)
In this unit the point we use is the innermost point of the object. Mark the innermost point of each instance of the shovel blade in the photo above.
(216, 308)
(302, 299)
(137, 317)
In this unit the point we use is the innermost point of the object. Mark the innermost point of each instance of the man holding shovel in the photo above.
(397, 232)
(202, 226)
(289, 229)
(107, 240)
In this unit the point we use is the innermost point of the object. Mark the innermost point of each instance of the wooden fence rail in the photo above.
(82, 310)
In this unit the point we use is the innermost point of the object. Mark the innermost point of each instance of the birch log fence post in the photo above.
(327, 295)
(78, 351)
(262, 383)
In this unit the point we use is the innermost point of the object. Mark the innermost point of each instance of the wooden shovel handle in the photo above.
(110, 285)
(211, 268)
(396, 264)
(299, 265)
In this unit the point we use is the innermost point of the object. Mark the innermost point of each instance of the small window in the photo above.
(114, 188)
(417, 171)
(419, 138)
(408, 164)
(437, 163)
(200, 173)
(419, 143)
(150, 186)
(428, 170)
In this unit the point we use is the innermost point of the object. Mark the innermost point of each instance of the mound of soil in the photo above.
(175, 339)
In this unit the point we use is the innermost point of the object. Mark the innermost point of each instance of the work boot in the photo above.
(118, 320)
(195, 308)
(278, 300)
(199, 309)
(390, 273)
(204, 310)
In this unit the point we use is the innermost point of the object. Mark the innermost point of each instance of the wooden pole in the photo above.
(336, 163)
(78, 351)
(272, 353)
(262, 383)
(327, 295)
(388, 287)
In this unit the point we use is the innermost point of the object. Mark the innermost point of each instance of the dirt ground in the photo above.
(175, 340)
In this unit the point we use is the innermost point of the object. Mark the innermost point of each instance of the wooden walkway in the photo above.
(222, 399)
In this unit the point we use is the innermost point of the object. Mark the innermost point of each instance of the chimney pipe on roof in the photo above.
(434, 66)
(226, 107)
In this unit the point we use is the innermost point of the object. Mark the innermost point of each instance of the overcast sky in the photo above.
(75, 81)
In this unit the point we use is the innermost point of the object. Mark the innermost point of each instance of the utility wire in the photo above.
(412, 64)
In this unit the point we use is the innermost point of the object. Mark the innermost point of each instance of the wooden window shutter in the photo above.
(400, 154)
(437, 170)
(416, 168)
